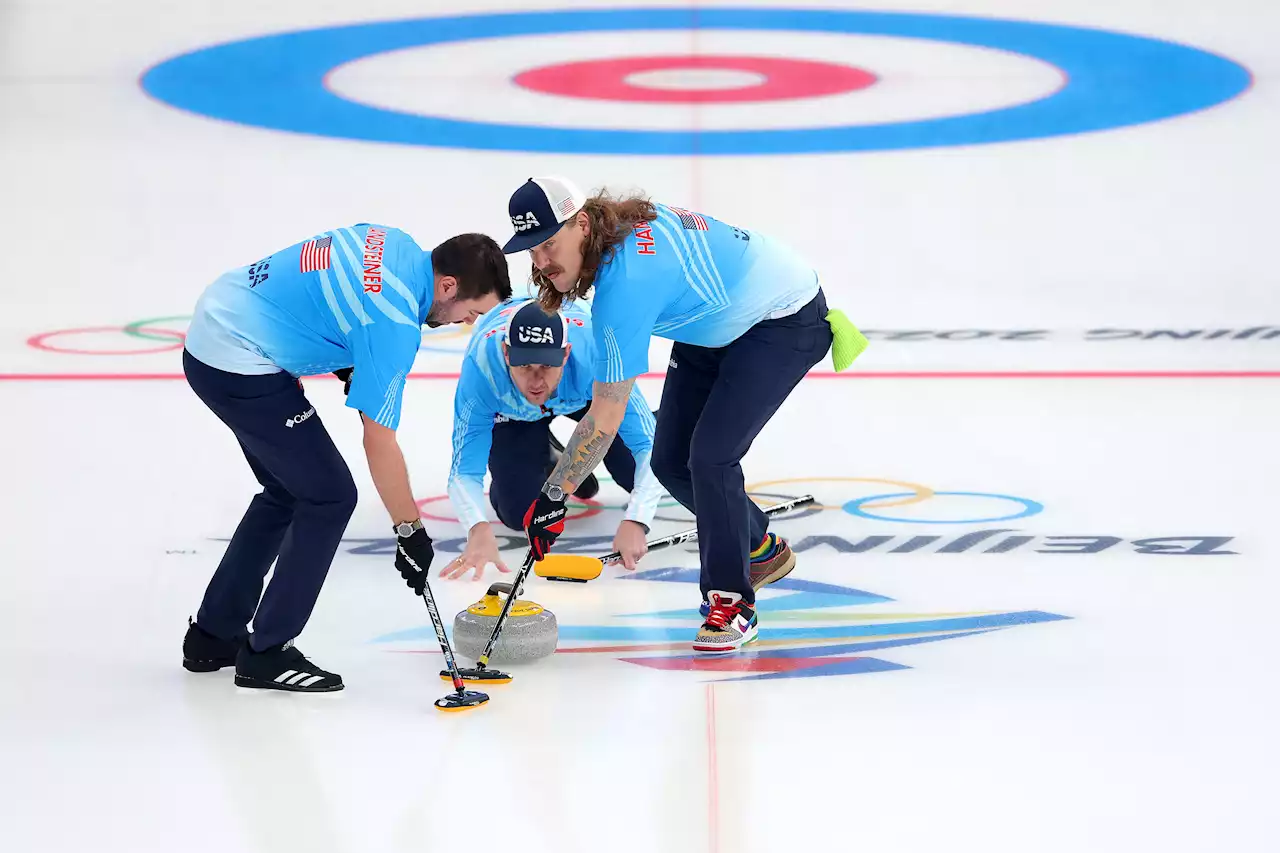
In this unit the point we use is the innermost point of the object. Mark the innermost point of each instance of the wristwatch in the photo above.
(555, 493)
(406, 529)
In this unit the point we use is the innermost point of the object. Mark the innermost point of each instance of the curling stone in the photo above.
(529, 632)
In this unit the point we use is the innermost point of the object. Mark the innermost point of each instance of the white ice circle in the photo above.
(916, 79)
(694, 79)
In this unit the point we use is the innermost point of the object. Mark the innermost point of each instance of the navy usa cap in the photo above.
(538, 210)
(535, 337)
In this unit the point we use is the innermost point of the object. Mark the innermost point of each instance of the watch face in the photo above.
(404, 528)
(555, 493)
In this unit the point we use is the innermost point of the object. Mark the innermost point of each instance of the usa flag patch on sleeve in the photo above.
(690, 221)
(315, 254)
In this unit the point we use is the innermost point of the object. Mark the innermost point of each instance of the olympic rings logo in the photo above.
(150, 329)
(949, 507)
(154, 335)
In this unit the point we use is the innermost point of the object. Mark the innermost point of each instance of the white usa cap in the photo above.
(539, 208)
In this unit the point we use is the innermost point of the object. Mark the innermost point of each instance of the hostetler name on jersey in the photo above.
(373, 243)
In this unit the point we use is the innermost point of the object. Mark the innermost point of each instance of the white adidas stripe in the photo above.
(294, 678)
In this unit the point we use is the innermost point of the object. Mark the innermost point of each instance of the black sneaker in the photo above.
(283, 668)
(203, 652)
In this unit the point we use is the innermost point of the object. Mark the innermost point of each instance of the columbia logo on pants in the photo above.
(297, 419)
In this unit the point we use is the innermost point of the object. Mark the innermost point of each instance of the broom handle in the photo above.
(483, 661)
(687, 535)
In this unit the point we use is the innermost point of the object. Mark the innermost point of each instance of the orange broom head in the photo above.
(569, 567)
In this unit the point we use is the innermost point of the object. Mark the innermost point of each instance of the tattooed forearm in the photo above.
(585, 450)
(613, 392)
(594, 434)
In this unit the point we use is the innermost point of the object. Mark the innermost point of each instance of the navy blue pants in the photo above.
(520, 462)
(714, 404)
(296, 521)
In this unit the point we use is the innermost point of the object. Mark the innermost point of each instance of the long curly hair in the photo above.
(612, 219)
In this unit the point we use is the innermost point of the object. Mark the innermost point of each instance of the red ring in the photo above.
(593, 507)
(605, 79)
(38, 341)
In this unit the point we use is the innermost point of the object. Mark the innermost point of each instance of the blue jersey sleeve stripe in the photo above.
(379, 301)
(675, 231)
(606, 355)
(461, 426)
(616, 369)
(381, 416)
(696, 242)
(466, 488)
(679, 238)
(700, 257)
(349, 241)
(389, 408)
(638, 426)
(399, 287)
(709, 273)
(611, 356)
(353, 259)
(685, 319)
(330, 297)
(692, 274)
(353, 301)
(689, 277)
(393, 313)
(640, 407)
(701, 237)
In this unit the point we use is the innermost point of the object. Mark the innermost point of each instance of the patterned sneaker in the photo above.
(772, 561)
(203, 652)
(730, 625)
(283, 668)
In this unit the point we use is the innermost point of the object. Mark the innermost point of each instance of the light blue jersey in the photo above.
(690, 278)
(486, 392)
(353, 297)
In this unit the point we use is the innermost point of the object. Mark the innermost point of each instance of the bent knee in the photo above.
(668, 465)
(336, 495)
(510, 514)
(707, 457)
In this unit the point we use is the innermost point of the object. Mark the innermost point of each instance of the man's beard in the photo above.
(435, 314)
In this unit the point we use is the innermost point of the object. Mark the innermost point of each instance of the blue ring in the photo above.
(1029, 507)
(1113, 80)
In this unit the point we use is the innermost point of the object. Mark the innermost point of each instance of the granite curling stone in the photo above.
(528, 634)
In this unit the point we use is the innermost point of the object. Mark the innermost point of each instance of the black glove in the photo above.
(345, 375)
(543, 523)
(414, 554)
